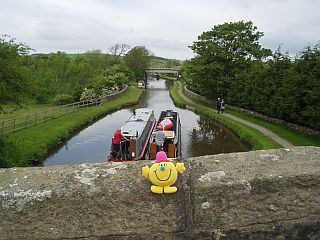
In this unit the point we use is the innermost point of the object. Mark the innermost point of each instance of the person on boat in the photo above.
(117, 137)
(159, 138)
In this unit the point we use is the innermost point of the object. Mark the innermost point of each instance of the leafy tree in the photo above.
(96, 58)
(61, 99)
(230, 63)
(13, 84)
(138, 60)
(307, 67)
(225, 50)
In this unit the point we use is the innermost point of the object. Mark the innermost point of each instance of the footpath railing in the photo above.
(15, 124)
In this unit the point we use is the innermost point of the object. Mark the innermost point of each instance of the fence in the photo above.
(15, 124)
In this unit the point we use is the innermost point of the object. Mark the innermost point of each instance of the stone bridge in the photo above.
(272, 194)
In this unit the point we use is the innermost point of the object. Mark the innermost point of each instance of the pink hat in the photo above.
(161, 157)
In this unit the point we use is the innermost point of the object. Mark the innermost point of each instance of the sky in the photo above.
(166, 27)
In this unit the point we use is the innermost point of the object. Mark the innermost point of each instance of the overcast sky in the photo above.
(166, 27)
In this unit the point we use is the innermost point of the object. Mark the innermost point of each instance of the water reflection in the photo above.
(215, 138)
(200, 135)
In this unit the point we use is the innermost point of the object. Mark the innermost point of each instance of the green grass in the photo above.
(13, 111)
(28, 147)
(177, 100)
(294, 137)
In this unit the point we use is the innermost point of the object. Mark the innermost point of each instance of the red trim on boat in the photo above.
(144, 147)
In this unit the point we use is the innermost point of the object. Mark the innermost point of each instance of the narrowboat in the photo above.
(169, 123)
(138, 130)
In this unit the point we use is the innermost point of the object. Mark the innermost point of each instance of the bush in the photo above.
(110, 90)
(42, 96)
(61, 99)
(88, 94)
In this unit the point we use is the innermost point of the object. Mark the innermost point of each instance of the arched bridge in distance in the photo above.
(158, 71)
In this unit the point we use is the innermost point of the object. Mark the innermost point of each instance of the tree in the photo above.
(307, 67)
(119, 50)
(13, 83)
(138, 60)
(226, 50)
(96, 58)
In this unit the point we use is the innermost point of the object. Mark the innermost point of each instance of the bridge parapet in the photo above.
(253, 195)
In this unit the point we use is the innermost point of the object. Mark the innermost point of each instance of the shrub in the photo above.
(88, 94)
(61, 99)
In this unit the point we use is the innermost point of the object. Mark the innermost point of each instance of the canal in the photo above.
(200, 135)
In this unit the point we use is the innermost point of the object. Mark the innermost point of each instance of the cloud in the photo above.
(165, 27)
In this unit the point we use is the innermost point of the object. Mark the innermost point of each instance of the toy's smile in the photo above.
(160, 179)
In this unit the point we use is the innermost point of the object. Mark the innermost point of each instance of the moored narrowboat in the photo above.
(137, 129)
(169, 123)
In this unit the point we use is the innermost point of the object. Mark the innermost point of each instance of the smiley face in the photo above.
(163, 174)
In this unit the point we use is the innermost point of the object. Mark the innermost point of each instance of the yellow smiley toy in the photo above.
(163, 174)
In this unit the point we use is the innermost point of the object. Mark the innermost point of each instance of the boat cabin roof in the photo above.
(137, 122)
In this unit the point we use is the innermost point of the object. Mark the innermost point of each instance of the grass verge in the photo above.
(177, 100)
(27, 147)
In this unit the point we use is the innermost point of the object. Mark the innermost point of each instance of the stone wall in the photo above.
(272, 194)
(197, 96)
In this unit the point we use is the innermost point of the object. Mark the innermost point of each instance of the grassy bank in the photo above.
(27, 147)
(177, 100)
(247, 134)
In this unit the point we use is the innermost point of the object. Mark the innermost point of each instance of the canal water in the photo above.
(199, 135)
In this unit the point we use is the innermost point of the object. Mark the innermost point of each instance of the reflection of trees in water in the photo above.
(207, 131)
(211, 138)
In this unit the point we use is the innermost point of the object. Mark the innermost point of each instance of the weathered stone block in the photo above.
(271, 194)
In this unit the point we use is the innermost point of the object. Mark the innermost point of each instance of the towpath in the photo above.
(263, 130)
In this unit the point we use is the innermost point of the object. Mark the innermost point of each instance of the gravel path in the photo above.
(263, 130)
